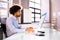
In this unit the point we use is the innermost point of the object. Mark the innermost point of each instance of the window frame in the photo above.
(34, 8)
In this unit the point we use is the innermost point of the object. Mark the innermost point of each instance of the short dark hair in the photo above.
(14, 9)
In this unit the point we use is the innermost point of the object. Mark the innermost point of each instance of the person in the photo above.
(12, 25)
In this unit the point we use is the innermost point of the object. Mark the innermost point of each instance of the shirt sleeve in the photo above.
(11, 27)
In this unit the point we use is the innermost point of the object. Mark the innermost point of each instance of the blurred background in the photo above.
(32, 11)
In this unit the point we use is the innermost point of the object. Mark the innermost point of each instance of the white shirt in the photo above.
(12, 26)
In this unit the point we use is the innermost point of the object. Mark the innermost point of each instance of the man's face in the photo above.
(18, 13)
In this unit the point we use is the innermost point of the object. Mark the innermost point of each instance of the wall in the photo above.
(27, 16)
(55, 9)
(55, 5)
(25, 3)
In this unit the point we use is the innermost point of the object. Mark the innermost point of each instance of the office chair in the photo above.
(3, 26)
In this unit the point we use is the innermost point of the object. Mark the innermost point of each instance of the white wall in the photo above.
(55, 5)
(27, 16)
(55, 9)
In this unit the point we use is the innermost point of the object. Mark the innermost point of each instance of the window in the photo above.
(34, 6)
(4, 8)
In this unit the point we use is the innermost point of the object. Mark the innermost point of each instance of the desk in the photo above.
(28, 36)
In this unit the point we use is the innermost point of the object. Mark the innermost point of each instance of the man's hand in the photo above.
(29, 29)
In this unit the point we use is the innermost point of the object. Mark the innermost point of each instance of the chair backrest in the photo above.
(3, 25)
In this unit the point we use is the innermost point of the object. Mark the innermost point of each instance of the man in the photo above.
(12, 25)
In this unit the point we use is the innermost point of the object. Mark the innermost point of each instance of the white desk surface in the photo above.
(27, 36)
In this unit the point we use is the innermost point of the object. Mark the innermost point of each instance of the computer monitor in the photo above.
(43, 16)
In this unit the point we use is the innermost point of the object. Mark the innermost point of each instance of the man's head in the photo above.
(15, 10)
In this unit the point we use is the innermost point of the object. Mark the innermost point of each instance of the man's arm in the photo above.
(12, 28)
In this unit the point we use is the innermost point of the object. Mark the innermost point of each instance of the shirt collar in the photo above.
(14, 17)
